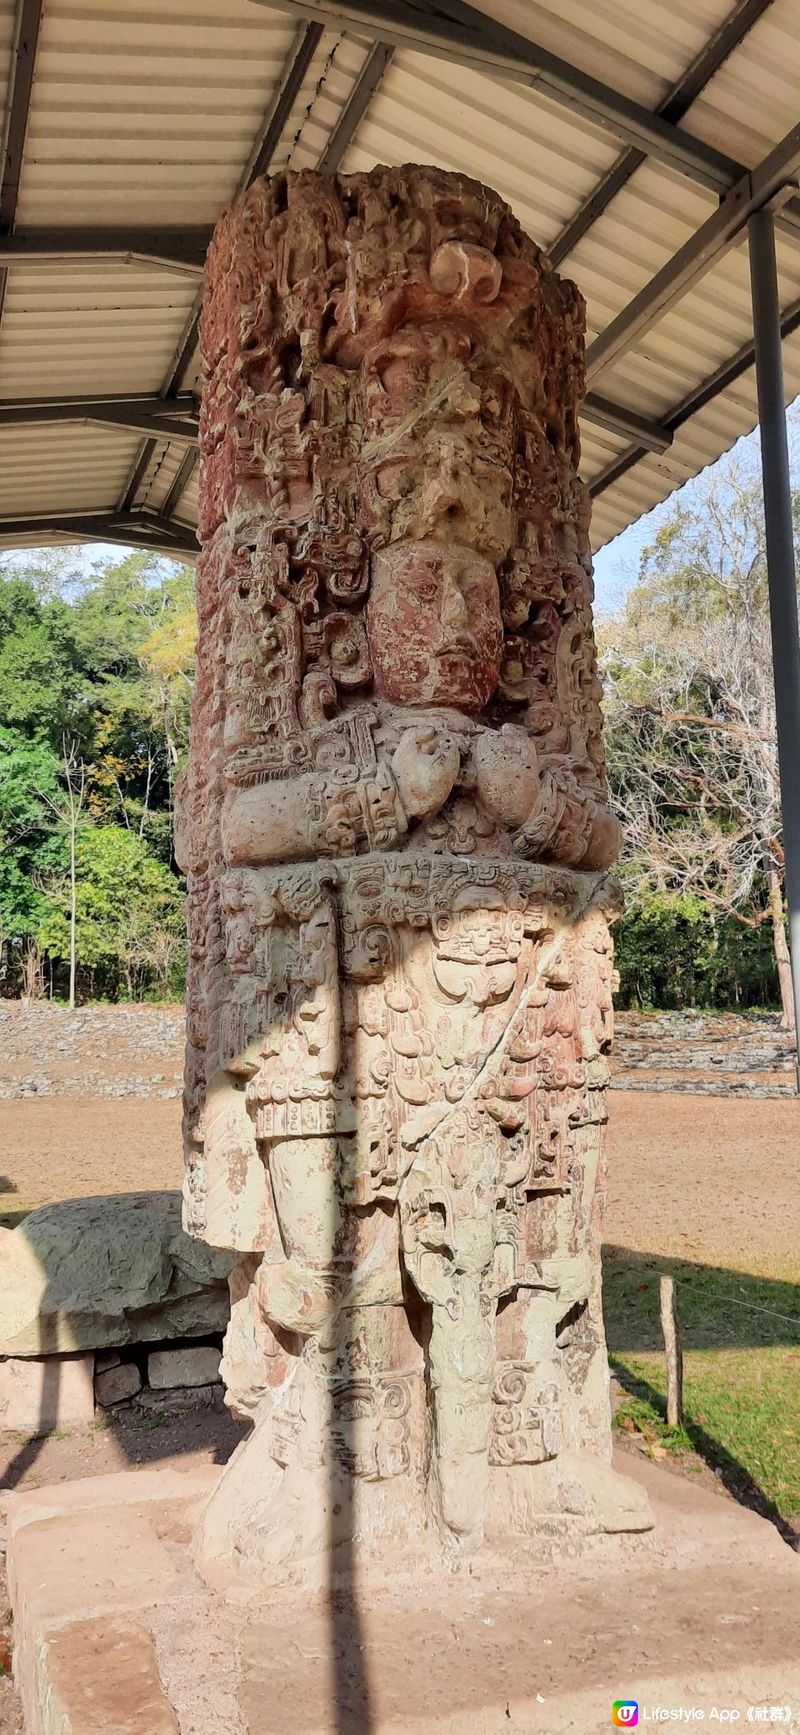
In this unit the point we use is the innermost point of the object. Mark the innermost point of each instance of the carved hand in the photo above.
(425, 764)
(507, 774)
(605, 840)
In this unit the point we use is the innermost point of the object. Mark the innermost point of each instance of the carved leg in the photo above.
(336, 1451)
(549, 1385)
(339, 1436)
(462, 1359)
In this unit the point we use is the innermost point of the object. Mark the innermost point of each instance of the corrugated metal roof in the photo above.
(145, 114)
(186, 509)
(7, 10)
(427, 111)
(322, 97)
(94, 327)
(639, 48)
(77, 468)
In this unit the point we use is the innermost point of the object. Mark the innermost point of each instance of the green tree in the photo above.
(41, 674)
(169, 657)
(30, 849)
(99, 656)
(139, 727)
(67, 811)
(129, 914)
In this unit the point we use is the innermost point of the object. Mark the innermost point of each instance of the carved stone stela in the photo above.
(395, 829)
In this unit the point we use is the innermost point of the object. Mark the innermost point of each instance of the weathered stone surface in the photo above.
(177, 1401)
(117, 1384)
(168, 1368)
(50, 1392)
(706, 1054)
(102, 1677)
(86, 1561)
(107, 1358)
(123, 1635)
(97, 1051)
(89, 1272)
(396, 833)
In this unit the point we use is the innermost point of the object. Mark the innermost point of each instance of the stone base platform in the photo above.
(116, 1635)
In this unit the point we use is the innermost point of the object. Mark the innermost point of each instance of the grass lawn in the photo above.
(741, 1343)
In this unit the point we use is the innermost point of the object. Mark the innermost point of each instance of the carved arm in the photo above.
(550, 816)
(340, 812)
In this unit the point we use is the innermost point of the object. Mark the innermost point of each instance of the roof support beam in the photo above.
(18, 104)
(169, 418)
(176, 418)
(727, 374)
(26, 42)
(180, 483)
(131, 529)
(771, 180)
(304, 48)
(619, 420)
(182, 250)
(459, 32)
(710, 388)
(675, 105)
(356, 106)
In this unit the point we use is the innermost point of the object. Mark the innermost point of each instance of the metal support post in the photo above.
(780, 559)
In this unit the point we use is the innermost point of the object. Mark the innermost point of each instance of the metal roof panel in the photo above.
(145, 113)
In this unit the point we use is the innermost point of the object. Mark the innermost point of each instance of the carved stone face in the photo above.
(434, 626)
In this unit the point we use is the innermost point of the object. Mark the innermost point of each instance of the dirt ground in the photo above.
(712, 1179)
(706, 1178)
(63, 1148)
(691, 1177)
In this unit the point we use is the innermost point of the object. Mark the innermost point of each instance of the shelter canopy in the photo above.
(632, 140)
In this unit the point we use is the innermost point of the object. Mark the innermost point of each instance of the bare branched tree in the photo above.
(690, 713)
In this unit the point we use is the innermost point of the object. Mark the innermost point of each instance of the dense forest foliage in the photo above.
(96, 669)
(95, 685)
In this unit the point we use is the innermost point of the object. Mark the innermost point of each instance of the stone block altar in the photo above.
(395, 828)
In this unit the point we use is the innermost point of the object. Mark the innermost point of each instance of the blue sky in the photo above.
(616, 566)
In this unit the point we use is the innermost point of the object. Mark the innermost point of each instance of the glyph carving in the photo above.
(397, 840)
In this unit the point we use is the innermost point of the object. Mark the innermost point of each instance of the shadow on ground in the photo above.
(10, 1215)
(719, 1308)
(741, 1336)
(120, 1439)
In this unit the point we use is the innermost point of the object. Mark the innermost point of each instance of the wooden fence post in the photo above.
(672, 1345)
